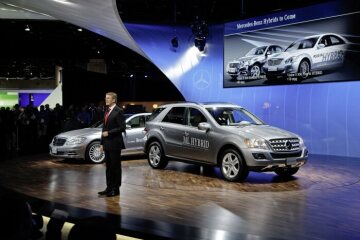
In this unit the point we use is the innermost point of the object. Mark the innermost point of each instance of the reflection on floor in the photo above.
(188, 201)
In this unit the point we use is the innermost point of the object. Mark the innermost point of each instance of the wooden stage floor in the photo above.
(187, 201)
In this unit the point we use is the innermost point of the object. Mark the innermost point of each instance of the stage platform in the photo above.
(185, 201)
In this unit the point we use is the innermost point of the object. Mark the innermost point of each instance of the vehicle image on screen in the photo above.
(314, 53)
(85, 143)
(223, 135)
(251, 64)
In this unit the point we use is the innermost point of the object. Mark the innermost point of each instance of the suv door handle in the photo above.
(162, 128)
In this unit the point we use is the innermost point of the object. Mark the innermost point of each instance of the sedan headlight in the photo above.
(256, 143)
(290, 60)
(75, 140)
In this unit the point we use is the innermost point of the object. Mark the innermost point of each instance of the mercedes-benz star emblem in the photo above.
(201, 79)
(288, 145)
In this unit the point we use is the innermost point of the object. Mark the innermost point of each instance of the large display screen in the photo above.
(320, 43)
(8, 99)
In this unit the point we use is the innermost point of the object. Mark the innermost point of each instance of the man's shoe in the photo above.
(103, 192)
(113, 193)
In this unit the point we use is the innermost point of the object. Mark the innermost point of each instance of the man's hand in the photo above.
(105, 134)
(101, 148)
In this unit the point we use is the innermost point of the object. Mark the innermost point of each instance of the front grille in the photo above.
(59, 141)
(285, 144)
(285, 155)
(274, 62)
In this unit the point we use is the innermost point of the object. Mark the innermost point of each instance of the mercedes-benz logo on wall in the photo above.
(288, 145)
(201, 79)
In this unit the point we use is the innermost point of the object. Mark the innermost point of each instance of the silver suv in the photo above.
(224, 135)
(251, 64)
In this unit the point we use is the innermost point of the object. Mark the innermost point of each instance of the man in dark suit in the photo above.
(112, 143)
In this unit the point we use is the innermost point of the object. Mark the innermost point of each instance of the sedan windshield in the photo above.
(227, 116)
(302, 44)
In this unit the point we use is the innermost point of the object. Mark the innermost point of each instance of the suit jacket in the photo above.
(115, 125)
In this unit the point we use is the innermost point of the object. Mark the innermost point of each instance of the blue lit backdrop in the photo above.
(326, 115)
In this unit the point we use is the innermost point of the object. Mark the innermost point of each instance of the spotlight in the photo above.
(175, 42)
(27, 28)
(200, 31)
(79, 29)
(200, 43)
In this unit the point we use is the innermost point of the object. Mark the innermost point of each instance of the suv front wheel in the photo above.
(156, 157)
(232, 166)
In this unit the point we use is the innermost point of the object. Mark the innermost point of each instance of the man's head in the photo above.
(110, 99)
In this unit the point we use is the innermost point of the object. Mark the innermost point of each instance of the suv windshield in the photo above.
(256, 51)
(227, 116)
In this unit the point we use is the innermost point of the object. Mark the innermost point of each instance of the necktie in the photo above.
(106, 115)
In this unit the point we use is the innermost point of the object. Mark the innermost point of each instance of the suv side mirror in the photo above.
(128, 127)
(204, 126)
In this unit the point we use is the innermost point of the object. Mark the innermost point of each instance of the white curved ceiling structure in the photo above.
(99, 16)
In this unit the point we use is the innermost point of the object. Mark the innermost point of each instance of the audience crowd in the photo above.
(27, 130)
(18, 222)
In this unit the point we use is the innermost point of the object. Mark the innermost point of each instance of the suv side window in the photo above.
(194, 117)
(175, 115)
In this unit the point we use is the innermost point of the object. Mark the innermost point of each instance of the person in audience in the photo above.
(16, 219)
(92, 228)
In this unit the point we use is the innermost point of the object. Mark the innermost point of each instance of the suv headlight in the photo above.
(290, 60)
(75, 140)
(301, 143)
(256, 143)
(249, 62)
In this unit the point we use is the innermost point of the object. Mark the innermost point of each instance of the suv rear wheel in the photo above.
(232, 166)
(156, 157)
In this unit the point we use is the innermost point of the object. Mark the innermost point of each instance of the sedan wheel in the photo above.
(304, 69)
(94, 154)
